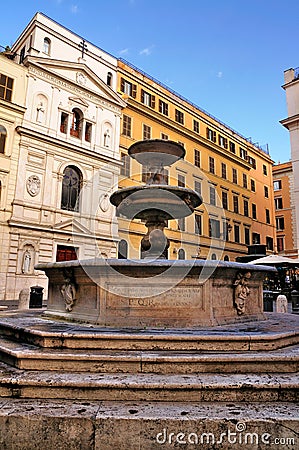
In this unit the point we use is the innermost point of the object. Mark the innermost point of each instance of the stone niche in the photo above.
(162, 293)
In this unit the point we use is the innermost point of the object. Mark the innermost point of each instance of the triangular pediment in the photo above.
(72, 226)
(79, 75)
(78, 100)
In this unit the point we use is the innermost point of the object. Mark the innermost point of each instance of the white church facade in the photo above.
(68, 155)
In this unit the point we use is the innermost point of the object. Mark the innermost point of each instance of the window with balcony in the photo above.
(6, 86)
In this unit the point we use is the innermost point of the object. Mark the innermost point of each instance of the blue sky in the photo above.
(227, 56)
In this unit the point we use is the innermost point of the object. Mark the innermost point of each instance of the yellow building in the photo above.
(233, 175)
(283, 185)
(13, 82)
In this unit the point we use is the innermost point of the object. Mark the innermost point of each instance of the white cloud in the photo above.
(124, 51)
(146, 51)
(74, 9)
(219, 74)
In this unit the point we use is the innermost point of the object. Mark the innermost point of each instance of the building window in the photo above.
(237, 233)
(212, 196)
(109, 79)
(87, 134)
(247, 236)
(232, 147)
(179, 116)
(251, 161)
(181, 254)
(225, 229)
(6, 85)
(278, 203)
(214, 257)
(147, 132)
(197, 187)
(277, 185)
(64, 122)
(256, 238)
(235, 176)
(211, 135)
(181, 224)
(3, 135)
(280, 244)
(243, 153)
(246, 207)
(223, 171)
(125, 168)
(269, 243)
(148, 99)
(47, 46)
(245, 183)
(279, 223)
(128, 88)
(196, 126)
(222, 141)
(253, 207)
(127, 126)
(266, 191)
(252, 185)
(268, 216)
(224, 200)
(236, 204)
(214, 228)
(198, 224)
(122, 249)
(164, 136)
(22, 55)
(211, 164)
(163, 108)
(71, 187)
(181, 180)
(196, 157)
(76, 123)
(265, 171)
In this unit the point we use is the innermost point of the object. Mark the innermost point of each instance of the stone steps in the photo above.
(278, 332)
(29, 357)
(15, 383)
(92, 425)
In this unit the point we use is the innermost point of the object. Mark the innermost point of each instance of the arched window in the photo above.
(109, 79)
(71, 187)
(122, 249)
(214, 257)
(226, 258)
(181, 254)
(47, 46)
(77, 117)
(3, 134)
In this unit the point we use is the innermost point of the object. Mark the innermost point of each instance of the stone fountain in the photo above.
(155, 291)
